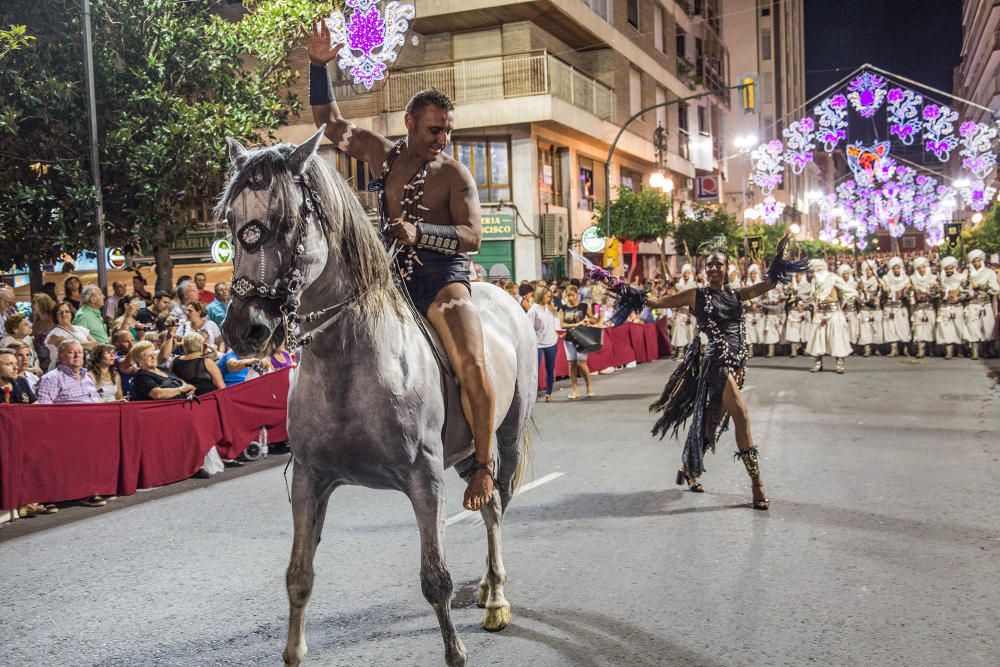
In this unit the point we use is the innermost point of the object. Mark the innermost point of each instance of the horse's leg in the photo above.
(427, 497)
(490, 594)
(309, 502)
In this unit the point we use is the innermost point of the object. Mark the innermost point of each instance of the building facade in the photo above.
(541, 89)
(977, 78)
(769, 46)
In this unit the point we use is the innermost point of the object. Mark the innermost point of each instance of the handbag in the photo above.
(586, 339)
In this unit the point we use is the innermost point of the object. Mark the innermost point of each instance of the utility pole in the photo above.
(95, 165)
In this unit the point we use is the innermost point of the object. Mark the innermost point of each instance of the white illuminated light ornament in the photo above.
(370, 39)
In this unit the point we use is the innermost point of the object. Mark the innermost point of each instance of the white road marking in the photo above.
(465, 514)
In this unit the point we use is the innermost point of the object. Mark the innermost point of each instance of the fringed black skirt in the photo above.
(694, 392)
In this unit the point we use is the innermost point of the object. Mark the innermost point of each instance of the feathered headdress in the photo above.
(716, 243)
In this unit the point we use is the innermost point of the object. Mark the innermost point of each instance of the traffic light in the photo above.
(748, 93)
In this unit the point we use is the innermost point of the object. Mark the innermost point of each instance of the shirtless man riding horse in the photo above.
(430, 207)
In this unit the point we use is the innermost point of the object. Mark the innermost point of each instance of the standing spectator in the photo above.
(68, 382)
(542, 315)
(13, 389)
(43, 319)
(574, 314)
(195, 368)
(7, 302)
(126, 317)
(220, 306)
(123, 341)
(111, 303)
(139, 287)
(71, 291)
(204, 295)
(152, 383)
(24, 368)
(18, 330)
(281, 358)
(65, 330)
(197, 322)
(49, 289)
(104, 374)
(157, 305)
(89, 315)
(235, 370)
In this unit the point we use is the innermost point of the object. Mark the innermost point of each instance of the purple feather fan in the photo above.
(630, 300)
(781, 269)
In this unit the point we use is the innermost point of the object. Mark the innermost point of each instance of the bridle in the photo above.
(287, 288)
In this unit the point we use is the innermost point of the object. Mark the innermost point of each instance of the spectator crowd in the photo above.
(82, 346)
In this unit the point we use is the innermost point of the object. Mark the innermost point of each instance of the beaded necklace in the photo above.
(412, 206)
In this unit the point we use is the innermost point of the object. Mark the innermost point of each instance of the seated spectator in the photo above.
(8, 302)
(65, 330)
(43, 319)
(104, 374)
(198, 322)
(13, 388)
(18, 328)
(24, 369)
(281, 358)
(124, 341)
(158, 305)
(70, 383)
(152, 383)
(220, 306)
(89, 315)
(235, 370)
(195, 368)
(119, 289)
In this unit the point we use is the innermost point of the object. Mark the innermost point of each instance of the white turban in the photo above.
(687, 268)
(918, 262)
(949, 261)
(976, 254)
(895, 261)
(844, 268)
(816, 265)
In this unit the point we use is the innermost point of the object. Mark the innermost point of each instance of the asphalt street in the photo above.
(881, 546)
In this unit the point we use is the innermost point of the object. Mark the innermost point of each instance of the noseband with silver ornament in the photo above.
(286, 288)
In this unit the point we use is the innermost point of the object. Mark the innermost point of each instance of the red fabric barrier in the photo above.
(622, 345)
(664, 337)
(651, 339)
(53, 453)
(637, 339)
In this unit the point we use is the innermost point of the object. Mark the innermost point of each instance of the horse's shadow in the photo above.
(612, 505)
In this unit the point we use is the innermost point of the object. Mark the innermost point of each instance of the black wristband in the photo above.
(440, 238)
(320, 88)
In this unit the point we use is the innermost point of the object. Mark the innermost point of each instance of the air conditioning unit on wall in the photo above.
(555, 234)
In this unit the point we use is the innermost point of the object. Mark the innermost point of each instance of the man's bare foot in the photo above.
(479, 491)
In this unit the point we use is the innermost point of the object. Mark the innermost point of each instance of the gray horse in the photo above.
(372, 402)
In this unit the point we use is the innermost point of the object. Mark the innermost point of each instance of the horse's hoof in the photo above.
(457, 658)
(496, 619)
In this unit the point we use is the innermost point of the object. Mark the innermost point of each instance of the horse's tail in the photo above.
(526, 454)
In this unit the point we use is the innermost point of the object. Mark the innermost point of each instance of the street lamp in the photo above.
(794, 228)
(961, 183)
(745, 143)
(750, 213)
(656, 180)
(977, 217)
(814, 195)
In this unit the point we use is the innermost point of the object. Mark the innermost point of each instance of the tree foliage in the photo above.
(14, 38)
(639, 216)
(985, 237)
(172, 81)
(698, 224)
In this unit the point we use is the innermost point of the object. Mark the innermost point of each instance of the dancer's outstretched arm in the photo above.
(361, 144)
(679, 300)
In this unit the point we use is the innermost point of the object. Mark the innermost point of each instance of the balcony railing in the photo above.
(501, 77)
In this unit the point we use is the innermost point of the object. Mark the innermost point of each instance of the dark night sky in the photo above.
(919, 39)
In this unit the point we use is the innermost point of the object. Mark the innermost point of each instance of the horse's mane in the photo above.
(354, 243)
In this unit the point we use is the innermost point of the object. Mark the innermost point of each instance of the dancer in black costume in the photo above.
(706, 387)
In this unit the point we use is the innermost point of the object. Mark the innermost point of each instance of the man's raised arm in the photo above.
(360, 144)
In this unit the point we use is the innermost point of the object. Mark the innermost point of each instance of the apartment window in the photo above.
(765, 7)
(765, 44)
(634, 90)
(767, 88)
(683, 134)
(550, 189)
(631, 180)
(768, 128)
(586, 184)
(658, 42)
(489, 162)
(661, 112)
(633, 13)
(681, 39)
(601, 7)
(704, 128)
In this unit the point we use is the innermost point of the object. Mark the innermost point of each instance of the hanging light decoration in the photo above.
(370, 39)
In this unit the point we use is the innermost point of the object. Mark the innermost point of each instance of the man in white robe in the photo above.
(846, 273)
(830, 335)
(798, 325)
(753, 313)
(980, 312)
(895, 318)
(683, 326)
(870, 316)
(950, 330)
(922, 319)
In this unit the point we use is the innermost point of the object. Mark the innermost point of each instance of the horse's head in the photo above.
(268, 207)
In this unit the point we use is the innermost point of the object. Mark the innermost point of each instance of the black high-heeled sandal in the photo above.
(683, 477)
